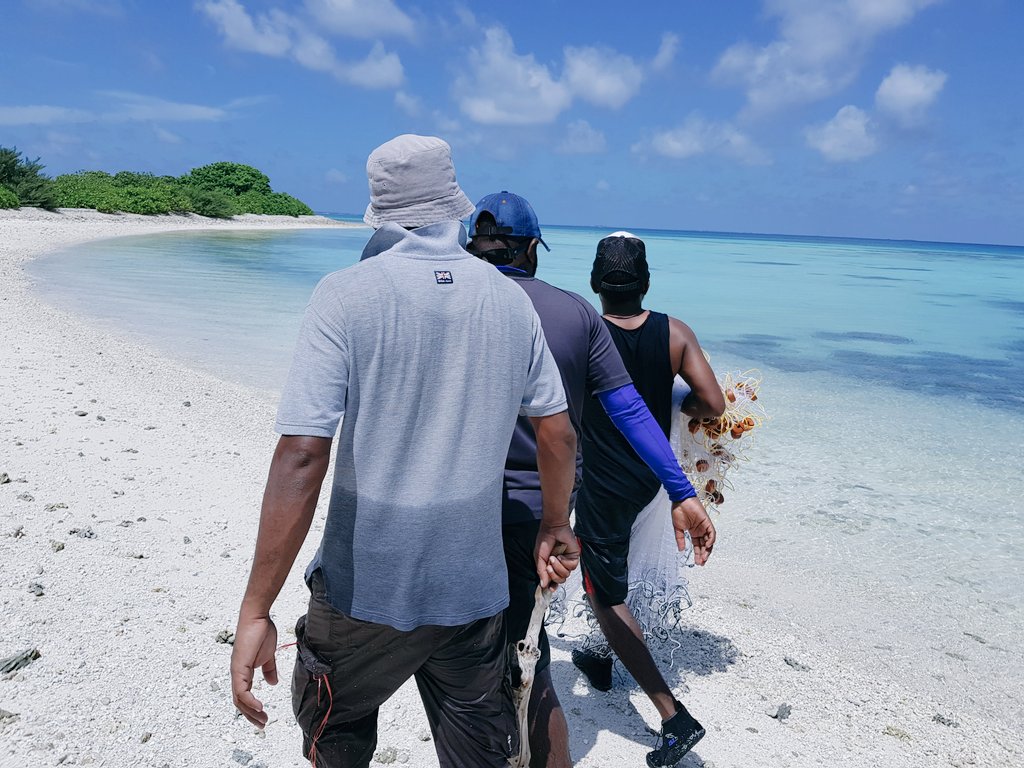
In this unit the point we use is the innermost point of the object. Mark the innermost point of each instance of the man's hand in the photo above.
(691, 516)
(557, 554)
(255, 644)
(293, 487)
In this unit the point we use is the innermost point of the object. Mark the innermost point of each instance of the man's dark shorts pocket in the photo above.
(310, 697)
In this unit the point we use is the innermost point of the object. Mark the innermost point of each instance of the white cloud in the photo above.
(247, 101)
(817, 52)
(279, 34)
(102, 7)
(885, 14)
(698, 136)
(313, 52)
(241, 31)
(907, 92)
(40, 114)
(123, 107)
(334, 176)
(407, 103)
(685, 141)
(465, 17)
(582, 138)
(56, 144)
(446, 124)
(503, 87)
(666, 52)
(601, 76)
(507, 88)
(362, 18)
(134, 107)
(380, 69)
(844, 138)
(166, 136)
(602, 185)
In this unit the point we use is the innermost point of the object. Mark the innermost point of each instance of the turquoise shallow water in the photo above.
(894, 373)
(933, 319)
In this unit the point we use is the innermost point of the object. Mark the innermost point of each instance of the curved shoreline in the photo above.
(67, 226)
(162, 476)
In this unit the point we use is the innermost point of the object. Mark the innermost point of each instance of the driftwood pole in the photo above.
(528, 654)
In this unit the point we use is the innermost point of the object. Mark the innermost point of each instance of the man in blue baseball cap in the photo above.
(505, 232)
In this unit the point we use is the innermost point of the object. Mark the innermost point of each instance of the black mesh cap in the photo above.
(620, 263)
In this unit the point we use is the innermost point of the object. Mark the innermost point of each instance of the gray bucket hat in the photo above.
(412, 183)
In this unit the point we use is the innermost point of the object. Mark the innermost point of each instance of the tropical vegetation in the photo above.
(8, 199)
(24, 178)
(219, 189)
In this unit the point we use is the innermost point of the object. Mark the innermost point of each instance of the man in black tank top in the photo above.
(617, 484)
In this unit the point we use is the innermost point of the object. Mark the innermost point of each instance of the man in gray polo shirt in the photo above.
(430, 355)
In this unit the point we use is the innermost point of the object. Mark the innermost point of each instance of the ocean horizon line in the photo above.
(772, 236)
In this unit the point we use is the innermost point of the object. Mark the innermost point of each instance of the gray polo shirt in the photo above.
(430, 354)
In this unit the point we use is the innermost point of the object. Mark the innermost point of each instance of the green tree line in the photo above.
(218, 189)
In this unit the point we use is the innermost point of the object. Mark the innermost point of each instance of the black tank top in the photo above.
(616, 482)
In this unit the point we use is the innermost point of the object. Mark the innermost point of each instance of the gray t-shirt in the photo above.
(430, 354)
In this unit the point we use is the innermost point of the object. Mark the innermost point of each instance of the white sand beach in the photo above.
(126, 533)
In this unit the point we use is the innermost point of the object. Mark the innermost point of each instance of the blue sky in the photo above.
(865, 118)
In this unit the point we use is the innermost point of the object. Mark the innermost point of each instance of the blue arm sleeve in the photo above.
(630, 414)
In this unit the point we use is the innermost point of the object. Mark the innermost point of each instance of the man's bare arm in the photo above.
(705, 399)
(557, 551)
(293, 486)
(289, 501)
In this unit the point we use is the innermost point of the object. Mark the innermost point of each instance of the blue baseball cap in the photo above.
(513, 216)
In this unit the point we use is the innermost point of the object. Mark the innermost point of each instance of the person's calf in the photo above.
(626, 639)
(549, 732)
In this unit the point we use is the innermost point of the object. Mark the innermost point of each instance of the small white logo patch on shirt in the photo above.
(443, 278)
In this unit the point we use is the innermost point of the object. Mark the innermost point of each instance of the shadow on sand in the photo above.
(589, 711)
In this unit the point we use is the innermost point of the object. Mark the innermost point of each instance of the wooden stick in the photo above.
(528, 654)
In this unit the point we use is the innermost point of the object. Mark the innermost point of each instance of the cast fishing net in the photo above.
(707, 449)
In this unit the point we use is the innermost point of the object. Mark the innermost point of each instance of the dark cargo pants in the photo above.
(346, 668)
